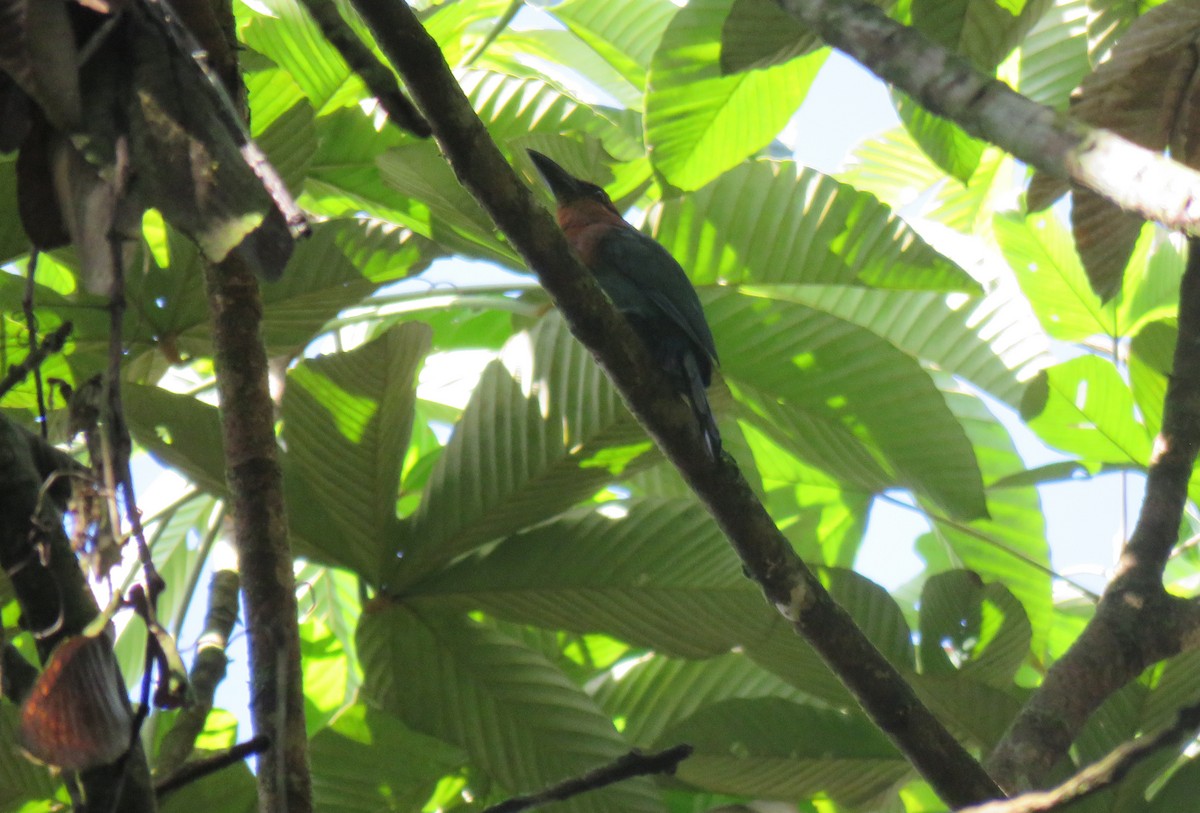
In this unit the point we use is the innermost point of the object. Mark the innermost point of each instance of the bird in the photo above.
(645, 283)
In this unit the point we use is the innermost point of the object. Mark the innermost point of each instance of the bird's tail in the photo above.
(698, 396)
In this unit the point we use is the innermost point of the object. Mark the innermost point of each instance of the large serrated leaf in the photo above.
(518, 717)
(968, 626)
(700, 123)
(1010, 546)
(779, 222)
(368, 761)
(990, 341)
(290, 38)
(773, 748)
(180, 431)
(659, 692)
(945, 143)
(526, 448)
(343, 261)
(662, 576)
(759, 34)
(982, 31)
(347, 419)
(1049, 272)
(1054, 56)
(1089, 412)
(624, 32)
(816, 362)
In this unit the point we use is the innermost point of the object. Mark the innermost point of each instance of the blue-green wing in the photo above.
(642, 278)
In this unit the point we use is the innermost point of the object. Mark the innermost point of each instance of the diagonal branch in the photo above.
(766, 553)
(1101, 774)
(1131, 176)
(1137, 622)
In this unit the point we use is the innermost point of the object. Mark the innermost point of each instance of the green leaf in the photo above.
(976, 628)
(849, 376)
(522, 722)
(773, 748)
(418, 172)
(1009, 547)
(972, 710)
(230, 791)
(369, 761)
(1089, 412)
(699, 123)
(180, 431)
(347, 420)
(983, 31)
(943, 141)
(658, 692)
(769, 222)
(759, 34)
(1048, 270)
(526, 448)
(21, 780)
(343, 178)
(1178, 792)
(290, 39)
(1151, 359)
(662, 576)
(986, 340)
(896, 169)
(1054, 56)
(290, 142)
(626, 33)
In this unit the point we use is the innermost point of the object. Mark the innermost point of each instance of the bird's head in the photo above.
(568, 190)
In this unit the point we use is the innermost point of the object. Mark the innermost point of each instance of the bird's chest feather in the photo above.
(587, 227)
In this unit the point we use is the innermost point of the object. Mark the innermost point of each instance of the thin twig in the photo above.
(494, 32)
(1100, 774)
(32, 327)
(38, 353)
(194, 771)
(625, 767)
(974, 533)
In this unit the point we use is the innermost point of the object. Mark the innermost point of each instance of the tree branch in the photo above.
(625, 767)
(1131, 176)
(1099, 775)
(260, 530)
(768, 557)
(1137, 622)
(260, 535)
(195, 771)
(377, 77)
(208, 670)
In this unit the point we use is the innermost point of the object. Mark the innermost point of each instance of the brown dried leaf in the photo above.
(1105, 236)
(77, 715)
(1146, 92)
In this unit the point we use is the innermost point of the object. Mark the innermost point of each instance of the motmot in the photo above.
(646, 285)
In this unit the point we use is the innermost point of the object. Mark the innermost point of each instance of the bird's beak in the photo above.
(565, 186)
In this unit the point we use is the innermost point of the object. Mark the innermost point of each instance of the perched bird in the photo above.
(645, 283)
